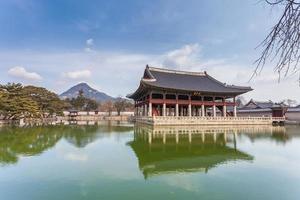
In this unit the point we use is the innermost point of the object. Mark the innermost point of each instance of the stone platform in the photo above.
(185, 120)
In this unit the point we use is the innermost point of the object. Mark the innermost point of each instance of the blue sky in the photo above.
(107, 44)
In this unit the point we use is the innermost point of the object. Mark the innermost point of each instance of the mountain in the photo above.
(88, 92)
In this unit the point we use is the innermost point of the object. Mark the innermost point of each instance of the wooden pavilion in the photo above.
(173, 93)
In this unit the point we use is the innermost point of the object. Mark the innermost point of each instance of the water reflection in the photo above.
(163, 150)
(29, 141)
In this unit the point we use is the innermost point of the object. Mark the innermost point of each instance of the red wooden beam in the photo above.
(185, 102)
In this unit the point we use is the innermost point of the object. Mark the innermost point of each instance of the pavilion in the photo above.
(172, 93)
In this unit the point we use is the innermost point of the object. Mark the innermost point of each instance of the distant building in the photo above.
(293, 114)
(263, 109)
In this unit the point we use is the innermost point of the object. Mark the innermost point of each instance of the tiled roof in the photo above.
(187, 81)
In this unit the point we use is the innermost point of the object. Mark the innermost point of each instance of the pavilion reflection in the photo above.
(163, 150)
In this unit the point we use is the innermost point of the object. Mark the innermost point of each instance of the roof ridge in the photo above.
(238, 87)
(176, 71)
(227, 85)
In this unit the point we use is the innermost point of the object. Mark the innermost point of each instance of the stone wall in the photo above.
(292, 114)
(95, 118)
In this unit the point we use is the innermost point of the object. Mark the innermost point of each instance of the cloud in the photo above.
(76, 157)
(90, 42)
(186, 56)
(119, 73)
(79, 74)
(21, 72)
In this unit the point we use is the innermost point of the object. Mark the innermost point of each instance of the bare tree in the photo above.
(108, 106)
(283, 42)
(120, 105)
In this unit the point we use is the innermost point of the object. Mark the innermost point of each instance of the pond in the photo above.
(123, 161)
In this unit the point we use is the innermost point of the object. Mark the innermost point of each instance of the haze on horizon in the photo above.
(56, 44)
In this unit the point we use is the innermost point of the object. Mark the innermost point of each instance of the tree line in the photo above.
(81, 103)
(18, 101)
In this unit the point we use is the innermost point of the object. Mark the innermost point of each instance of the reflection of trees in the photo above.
(15, 142)
(28, 141)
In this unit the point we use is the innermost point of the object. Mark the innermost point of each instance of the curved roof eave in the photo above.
(138, 91)
(242, 91)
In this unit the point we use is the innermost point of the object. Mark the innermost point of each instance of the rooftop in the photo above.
(186, 81)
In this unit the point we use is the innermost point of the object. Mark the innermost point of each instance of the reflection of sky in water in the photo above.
(100, 162)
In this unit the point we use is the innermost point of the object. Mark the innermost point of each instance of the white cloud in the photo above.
(183, 57)
(79, 74)
(21, 72)
(119, 73)
(88, 49)
(76, 157)
(232, 71)
(90, 42)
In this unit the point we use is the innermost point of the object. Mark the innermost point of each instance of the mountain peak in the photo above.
(88, 92)
(82, 84)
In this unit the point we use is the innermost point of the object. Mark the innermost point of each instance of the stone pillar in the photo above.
(164, 109)
(214, 108)
(150, 105)
(224, 110)
(190, 107)
(224, 107)
(176, 107)
(145, 110)
(234, 108)
(202, 110)
(214, 111)
(234, 111)
(150, 109)
(164, 105)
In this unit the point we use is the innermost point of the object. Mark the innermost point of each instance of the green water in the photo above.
(125, 162)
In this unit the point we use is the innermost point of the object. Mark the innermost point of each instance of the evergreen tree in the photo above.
(48, 102)
(14, 104)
